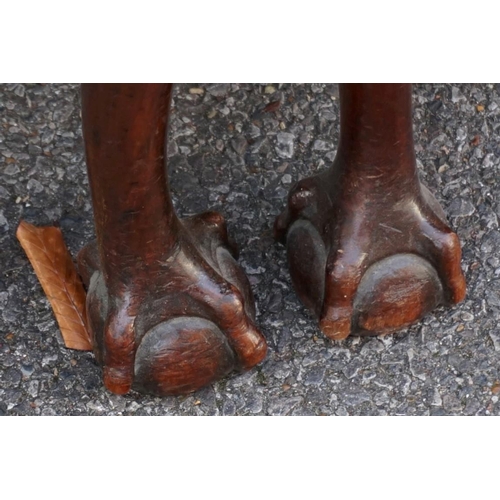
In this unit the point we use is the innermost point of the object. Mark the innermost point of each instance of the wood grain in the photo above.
(57, 274)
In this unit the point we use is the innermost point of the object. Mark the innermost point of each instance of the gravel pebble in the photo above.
(229, 156)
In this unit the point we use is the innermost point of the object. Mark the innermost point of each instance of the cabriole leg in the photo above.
(169, 308)
(369, 248)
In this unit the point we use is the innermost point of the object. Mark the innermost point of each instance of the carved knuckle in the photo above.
(300, 195)
(451, 243)
(215, 218)
(234, 301)
(340, 270)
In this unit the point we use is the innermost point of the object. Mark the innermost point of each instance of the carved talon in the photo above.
(445, 254)
(194, 323)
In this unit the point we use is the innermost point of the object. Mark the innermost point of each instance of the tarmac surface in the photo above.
(228, 152)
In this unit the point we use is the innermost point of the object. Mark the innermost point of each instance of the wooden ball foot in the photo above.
(366, 264)
(183, 328)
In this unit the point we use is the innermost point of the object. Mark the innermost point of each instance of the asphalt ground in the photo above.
(232, 150)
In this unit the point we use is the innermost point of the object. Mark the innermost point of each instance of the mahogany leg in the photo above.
(368, 246)
(169, 308)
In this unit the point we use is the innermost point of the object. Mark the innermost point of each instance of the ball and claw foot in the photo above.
(181, 329)
(368, 263)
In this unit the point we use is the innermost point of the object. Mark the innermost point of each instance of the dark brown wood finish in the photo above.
(368, 246)
(169, 308)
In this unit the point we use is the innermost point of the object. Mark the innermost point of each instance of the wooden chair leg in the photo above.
(369, 249)
(169, 308)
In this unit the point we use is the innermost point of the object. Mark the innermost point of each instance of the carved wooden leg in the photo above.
(170, 310)
(368, 246)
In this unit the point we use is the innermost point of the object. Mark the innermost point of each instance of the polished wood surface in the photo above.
(368, 246)
(169, 308)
